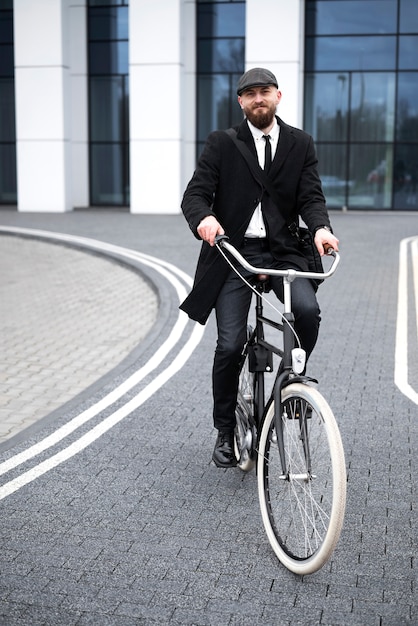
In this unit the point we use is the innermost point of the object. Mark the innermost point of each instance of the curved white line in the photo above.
(95, 244)
(109, 422)
(175, 335)
(115, 394)
(99, 406)
(401, 346)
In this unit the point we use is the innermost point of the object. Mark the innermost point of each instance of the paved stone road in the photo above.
(140, 528)
(80, 316)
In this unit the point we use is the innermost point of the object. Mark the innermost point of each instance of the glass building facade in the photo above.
(360, 95)
(361, 100)
(108, 69)
(8, 185)
(220, 62)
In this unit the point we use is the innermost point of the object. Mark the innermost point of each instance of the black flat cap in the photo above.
(256, 77)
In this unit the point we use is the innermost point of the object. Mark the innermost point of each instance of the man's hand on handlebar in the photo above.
(208, 228)
(325, 240)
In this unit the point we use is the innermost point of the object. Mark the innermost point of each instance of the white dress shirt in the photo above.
(256, 227)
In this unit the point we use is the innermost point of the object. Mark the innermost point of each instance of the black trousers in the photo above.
(232, 308)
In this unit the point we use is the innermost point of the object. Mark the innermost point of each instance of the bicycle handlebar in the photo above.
(222, 241)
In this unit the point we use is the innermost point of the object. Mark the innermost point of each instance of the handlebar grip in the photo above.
(220, 238)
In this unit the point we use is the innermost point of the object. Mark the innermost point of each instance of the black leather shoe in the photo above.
(223, 454)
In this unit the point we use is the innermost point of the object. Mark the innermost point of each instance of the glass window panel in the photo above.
(105, 58)
(98, 3)
(371, 173)
(221, 20)
(217, 103)
(408, 16)
(326, 108)
(220, 55)
(108, 23)
(107, 185)
(6, 60)
(108, 102)
(408, 52)
(8, 182)
(405, 177)
(332, 167)
(125, 175)
(126, 108)
(350, 53)
(107, 109)
(6, 26)
(343, 17)
(372, 115)
(220, 63)
(407, 107)
(7, 110)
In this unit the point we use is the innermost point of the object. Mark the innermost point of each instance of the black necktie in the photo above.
(266, 203)
(267, 153)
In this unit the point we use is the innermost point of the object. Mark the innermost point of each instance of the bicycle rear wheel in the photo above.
(245, 431)
(302, 498)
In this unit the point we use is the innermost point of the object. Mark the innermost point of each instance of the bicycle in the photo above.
(293, 439)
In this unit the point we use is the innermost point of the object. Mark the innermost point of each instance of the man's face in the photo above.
(259, 105)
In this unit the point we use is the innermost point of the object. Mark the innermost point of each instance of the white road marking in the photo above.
(401, 348)
(99, 406)
(168, 271)
(108, 423)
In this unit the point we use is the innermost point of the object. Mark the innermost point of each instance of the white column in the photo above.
(77, 30)
(281, 49)
(188, 93)
(156, 98)
(42, 83)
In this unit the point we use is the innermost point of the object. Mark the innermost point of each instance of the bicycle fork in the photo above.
(300, 414)
(280, 383)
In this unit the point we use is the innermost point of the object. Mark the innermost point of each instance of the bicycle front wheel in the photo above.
(302, 484)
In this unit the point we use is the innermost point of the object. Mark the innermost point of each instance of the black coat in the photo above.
(222, 185)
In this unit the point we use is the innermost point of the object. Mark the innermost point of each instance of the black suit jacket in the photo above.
(222, 185)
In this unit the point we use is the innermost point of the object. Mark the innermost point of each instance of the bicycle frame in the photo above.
(261, 360)
(294, 439)
(285, 375)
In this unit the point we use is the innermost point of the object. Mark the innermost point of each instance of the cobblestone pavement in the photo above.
(80, 316)
(127, 522)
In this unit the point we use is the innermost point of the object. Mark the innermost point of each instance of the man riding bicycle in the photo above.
(223, 197)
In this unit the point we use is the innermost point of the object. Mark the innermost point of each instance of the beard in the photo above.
(261, 117)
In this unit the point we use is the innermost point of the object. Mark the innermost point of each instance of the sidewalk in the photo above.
(68, 318)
